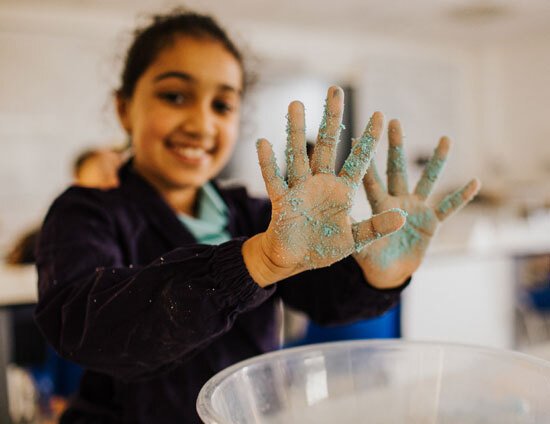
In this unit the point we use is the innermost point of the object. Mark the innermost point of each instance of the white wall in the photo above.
(55, 81)
(430, 92)
(515, 91)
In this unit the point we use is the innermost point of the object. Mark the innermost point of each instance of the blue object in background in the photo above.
(53, 375)
(386, 326)
(57, 375)
(540, 297)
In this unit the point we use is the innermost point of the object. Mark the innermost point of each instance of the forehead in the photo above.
(206, 60)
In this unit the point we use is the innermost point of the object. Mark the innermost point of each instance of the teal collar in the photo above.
(210, 225)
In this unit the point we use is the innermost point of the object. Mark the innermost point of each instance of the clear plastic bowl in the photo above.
(380, 381)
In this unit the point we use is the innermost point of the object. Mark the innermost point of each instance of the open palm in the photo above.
(389, 261)
(310, 225)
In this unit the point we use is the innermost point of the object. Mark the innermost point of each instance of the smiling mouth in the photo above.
(190, 154)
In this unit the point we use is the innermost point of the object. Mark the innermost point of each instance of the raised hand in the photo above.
(389, 261)
(310, 225)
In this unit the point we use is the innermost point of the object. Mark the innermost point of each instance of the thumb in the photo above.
(369, 230)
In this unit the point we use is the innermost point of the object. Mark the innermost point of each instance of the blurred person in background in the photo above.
(98, 168)
(95, 168)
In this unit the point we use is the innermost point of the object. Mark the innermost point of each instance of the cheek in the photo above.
(151, 120)
(231, 133)
(157, 125)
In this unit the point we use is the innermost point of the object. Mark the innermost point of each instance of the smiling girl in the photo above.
(158, 284)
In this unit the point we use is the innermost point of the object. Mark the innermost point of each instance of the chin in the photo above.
(186, 182)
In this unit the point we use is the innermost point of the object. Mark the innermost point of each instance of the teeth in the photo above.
(190, 152)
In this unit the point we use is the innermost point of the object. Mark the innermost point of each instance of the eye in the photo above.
(223, 107)
(173, 97)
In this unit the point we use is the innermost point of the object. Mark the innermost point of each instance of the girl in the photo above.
(160, 283)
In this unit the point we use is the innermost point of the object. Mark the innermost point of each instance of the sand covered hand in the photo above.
(389, 261)
(310, 225)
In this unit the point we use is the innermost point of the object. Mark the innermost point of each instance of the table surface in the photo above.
(18, 285)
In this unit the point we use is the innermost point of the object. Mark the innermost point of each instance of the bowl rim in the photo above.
(204, 404)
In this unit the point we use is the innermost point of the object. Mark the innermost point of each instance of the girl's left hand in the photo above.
(388, 262)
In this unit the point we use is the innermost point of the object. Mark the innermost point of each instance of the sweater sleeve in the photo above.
(133, 322)
(338, 294)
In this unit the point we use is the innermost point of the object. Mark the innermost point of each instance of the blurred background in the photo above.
(477, 71)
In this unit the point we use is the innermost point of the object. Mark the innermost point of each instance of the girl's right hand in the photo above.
(310, 224)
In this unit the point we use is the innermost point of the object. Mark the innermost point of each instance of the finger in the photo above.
(296, 155)
(362, 151)
(274, 182)
(374, 187)
(369, 230)
(456, 200)
(433, 168)
(397, 164)
(324, 152)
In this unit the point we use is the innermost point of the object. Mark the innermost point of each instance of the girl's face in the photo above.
(183, 117)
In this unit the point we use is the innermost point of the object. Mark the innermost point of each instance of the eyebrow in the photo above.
(188, 78)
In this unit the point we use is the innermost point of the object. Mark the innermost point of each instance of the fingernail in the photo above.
(258, 142)
(402, 212)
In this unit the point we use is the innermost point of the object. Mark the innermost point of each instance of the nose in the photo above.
(199, 122)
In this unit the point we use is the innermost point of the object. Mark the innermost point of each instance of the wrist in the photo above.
(394, 283)
(383, 280)
(258, 263)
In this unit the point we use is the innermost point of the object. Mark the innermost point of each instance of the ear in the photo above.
(123, 111)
